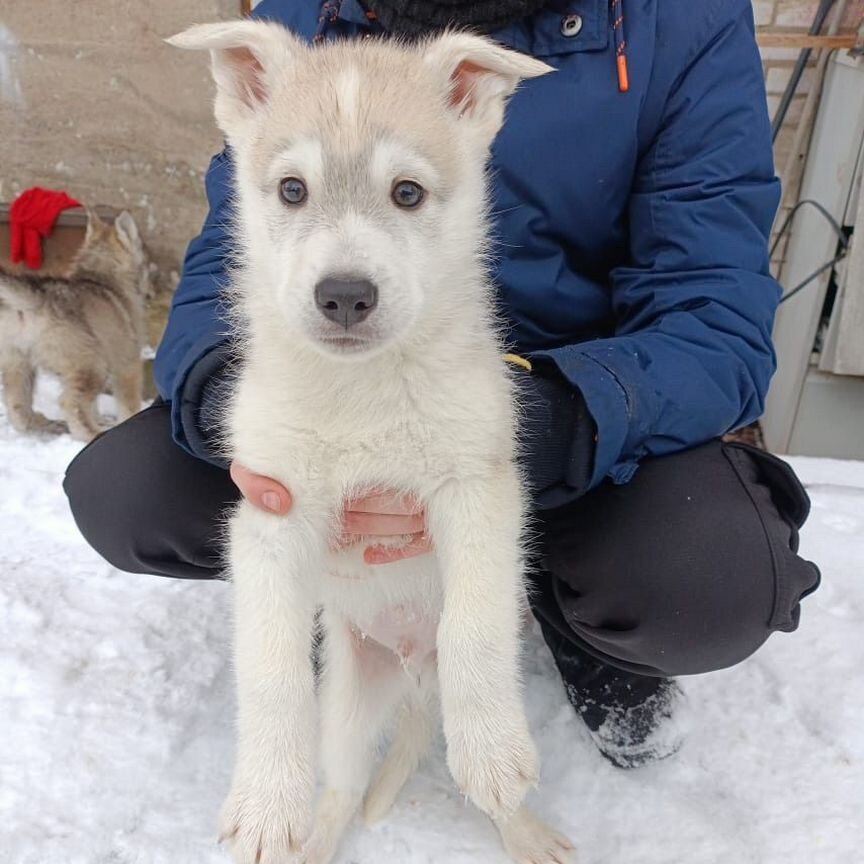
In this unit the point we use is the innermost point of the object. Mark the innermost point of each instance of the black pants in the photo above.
(688, 568)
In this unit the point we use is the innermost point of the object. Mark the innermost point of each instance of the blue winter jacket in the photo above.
(631, 227)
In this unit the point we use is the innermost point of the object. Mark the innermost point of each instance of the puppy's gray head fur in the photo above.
(115, 253)
(348, 124)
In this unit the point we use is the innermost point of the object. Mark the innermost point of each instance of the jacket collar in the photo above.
(565, 27)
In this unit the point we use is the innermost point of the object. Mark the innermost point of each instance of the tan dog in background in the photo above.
(87, 328)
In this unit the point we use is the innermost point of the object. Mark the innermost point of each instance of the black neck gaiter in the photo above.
(420, 17)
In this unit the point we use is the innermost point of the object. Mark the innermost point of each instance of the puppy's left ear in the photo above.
(480, 76)
(95, 225)
(246, 57)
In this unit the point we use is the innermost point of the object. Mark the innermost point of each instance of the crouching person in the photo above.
(632, 271)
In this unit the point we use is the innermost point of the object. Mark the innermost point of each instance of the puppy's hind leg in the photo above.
(528, 840)
(19, 378)
(361, 684)
(78, 401)
(412, 735)
(128, 384)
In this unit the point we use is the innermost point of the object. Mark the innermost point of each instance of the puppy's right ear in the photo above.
(481, 76)
(246, 57)
(127, 232)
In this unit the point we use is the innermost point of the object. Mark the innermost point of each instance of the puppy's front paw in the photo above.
(494, 767)
(265, 824)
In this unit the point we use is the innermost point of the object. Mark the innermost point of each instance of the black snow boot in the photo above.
(629, 716)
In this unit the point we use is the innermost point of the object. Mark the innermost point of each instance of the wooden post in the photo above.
(773, 39)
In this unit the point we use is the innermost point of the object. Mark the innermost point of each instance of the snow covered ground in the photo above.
(116, 717)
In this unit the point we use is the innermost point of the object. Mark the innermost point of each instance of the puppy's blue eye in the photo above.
(407, 193)
(292, 191)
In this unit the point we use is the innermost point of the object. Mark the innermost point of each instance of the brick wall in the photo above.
(794, 16)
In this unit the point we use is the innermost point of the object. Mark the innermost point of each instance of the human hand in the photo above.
(380, 514)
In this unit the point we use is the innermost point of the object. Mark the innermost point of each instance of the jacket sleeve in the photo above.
(691, 355)
(195, 341)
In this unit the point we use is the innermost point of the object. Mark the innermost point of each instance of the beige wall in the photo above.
(92, 101)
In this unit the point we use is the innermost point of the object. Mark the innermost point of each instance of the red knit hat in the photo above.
(32, 217)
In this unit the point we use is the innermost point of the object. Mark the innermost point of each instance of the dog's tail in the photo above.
(18, 294)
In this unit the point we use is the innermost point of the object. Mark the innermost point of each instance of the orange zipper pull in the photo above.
(623, 74)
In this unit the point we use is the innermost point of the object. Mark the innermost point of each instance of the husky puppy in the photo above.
(369, 358)
(87, 328)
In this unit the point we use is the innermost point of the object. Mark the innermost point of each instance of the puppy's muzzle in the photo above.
(346, 301)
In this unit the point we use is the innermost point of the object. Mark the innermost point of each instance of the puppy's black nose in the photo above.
(346, 301)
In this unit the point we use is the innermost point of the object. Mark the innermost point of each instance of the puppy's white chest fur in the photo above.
(384, 426)
(409, 424)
